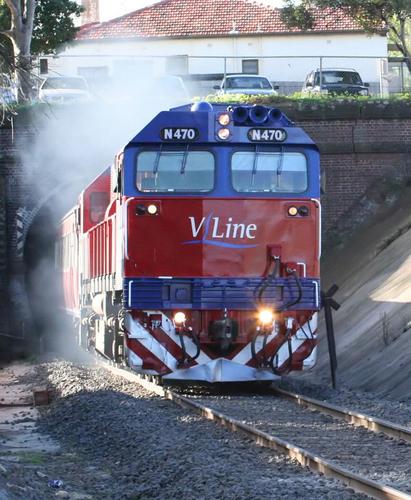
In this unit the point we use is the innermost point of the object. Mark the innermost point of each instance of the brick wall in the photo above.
(15, 196)
(354, 155)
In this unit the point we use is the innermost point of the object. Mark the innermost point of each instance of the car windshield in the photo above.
(278, 172)
(339, 77)
(247, 82)
(65, 83)
(169, 171)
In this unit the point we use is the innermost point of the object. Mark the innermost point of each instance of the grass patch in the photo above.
(31, 457)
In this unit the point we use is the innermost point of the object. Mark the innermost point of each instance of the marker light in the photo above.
(179, 318)
(141, 209)
(152, 209)
(224, 134)
(293, 211)
(265, 316)
(224, 119)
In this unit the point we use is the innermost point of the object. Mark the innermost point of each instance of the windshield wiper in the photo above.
(157, 160)
(255, 162)
(184, 162)
(280, 166)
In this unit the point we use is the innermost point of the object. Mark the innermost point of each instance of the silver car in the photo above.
(246, 84)
(64, 89)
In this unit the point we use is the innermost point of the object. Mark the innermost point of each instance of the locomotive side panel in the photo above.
(67, 254)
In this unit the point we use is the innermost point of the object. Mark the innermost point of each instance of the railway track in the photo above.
(373, 424)
(315, 434)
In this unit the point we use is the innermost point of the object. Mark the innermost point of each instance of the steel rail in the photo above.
(373, 424)
(304, 457)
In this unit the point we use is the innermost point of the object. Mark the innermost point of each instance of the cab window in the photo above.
(273, 172)
(175, 171)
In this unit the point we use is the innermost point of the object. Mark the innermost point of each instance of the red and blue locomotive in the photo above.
(196, 255)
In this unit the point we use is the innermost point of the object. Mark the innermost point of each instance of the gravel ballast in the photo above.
(120, 441)
(375, 456)
(371, 403)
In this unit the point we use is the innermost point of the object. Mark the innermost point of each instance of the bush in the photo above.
(299, 97)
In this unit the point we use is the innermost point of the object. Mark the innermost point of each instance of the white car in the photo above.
(64, 89)
(246, 84)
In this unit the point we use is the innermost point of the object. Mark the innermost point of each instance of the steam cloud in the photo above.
(72, 144)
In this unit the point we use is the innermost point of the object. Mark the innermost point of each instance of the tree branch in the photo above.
(14, 6)
(7, 33)
(29, 14)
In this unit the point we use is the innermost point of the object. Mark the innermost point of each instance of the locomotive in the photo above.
(195, 256)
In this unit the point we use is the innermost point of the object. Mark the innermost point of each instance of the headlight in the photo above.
(363, 92)
(266, 316)
(224, 119)
(324, 91)
(152, 209)
(292, 211)
(224, 134)
(179, 318)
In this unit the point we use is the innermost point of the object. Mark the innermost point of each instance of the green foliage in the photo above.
(370, 14)
(374, 16)
(297, 16)
(53, 24)
(4, 16)
(304, 99)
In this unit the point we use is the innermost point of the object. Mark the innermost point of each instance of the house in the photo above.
(201, 40)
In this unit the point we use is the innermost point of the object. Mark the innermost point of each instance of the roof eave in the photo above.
(225, 35)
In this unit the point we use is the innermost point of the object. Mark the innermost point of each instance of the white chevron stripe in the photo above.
(136, 331)
(304, 332)
(282, 354)
(245, 355)
(168, 328)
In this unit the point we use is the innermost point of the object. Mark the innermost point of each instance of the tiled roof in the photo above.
(203, 18)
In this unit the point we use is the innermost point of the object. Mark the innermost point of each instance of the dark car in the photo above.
(335, 81)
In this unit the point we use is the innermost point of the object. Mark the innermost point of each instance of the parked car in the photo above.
(161, 91)
(246, 84)
(173, 86)
(335, 81)
(64, 89)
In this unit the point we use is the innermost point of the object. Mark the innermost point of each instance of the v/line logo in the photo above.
(215, 232)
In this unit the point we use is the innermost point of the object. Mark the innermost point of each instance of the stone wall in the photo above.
(16, 201)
